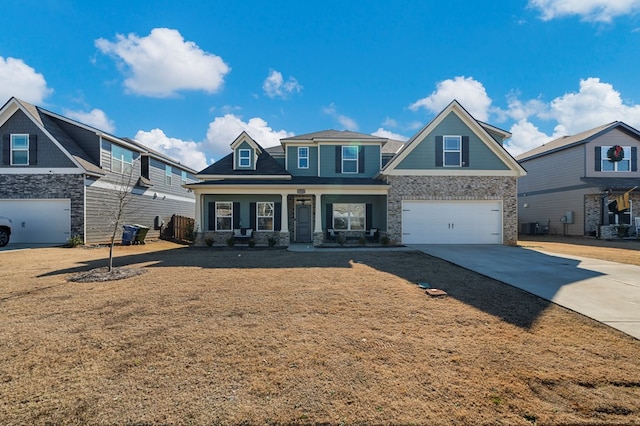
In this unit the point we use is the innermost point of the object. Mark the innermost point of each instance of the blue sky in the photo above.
(187, 77)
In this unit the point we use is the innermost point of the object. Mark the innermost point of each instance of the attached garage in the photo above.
(38, 220)
(451, 222)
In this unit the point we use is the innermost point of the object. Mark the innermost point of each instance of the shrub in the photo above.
(208, 241)
(272, 241)
(231, 242)
(385, 241)
(251, 242)
(622, 230)
(74, 241)
(362, 241)
(341, 240)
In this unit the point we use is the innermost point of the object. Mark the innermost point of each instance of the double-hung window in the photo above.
(19, 150)
(349, 217)
(224, 215)
(167, 174)
(452, 151)
(265, 215)
(349, 159)
(183, 176)
(244, 158)
(121, 160)
(303, 157)
(623, 165)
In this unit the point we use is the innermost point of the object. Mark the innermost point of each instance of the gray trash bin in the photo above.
(142, 232)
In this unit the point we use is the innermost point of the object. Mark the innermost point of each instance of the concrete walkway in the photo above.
(608, 292)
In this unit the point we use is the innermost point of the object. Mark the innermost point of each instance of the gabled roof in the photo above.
(565, 142)
(333, 135)
(479, 128)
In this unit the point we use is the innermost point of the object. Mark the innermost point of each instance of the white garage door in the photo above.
(38, 220)
(452, 222)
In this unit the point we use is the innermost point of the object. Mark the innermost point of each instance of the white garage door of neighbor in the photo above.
(452, 222)
(38, 220)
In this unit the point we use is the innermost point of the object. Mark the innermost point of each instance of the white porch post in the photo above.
(284, 216)
(318, 221)
(198, 225)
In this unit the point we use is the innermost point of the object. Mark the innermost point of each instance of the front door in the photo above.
(303, 224)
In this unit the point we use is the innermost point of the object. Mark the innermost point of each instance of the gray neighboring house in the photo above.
(61, 178)
(572, 183)
(453, 182)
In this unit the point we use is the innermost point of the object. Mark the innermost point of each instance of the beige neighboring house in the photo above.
(573, 184)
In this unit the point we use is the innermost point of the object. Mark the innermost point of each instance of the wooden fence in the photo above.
(181, 228)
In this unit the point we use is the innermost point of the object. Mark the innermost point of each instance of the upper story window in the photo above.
(303, 157)
(224, 215)
(613, 161)
(19, 150)
(144, 167)
(244, 156)
(265, 215)
(349, 159)
(183, 176)
(121, 160)
(452, 151)
(167, 174)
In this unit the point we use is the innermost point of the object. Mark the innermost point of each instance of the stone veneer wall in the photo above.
(592, 207)
(441, 188)
(48, 186)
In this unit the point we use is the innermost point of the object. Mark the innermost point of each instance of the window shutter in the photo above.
(212, 216)
(634, 158)
(439, 150)
(329, 216)
(369, 216)
(465, 151)
(236, 215)
(598, 165)
(361, 159)
(33, 150)
(277, 216)
(253, 212)
(338, 159)
(6, 149)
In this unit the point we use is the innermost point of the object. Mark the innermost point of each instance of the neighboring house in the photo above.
(60, 178)
(453, 182)
(572, 182)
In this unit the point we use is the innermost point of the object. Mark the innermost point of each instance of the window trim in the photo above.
(356, 160)
(241, 158)
(168, 172)
(12, 149)
(123, 170)
(230, 215)
(604, 159)
(626, 213)
(272, 216)
(350, 215)
(301, 157)
(445, 151)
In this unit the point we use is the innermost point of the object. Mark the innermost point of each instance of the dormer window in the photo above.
(349, 159)
(303, 157)
(244, 158)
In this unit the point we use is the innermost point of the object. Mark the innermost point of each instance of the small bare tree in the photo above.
(120, 208)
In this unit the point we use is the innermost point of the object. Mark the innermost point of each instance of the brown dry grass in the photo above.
(272, 337)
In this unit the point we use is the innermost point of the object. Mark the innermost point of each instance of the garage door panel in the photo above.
(38, 220)
(451, 222)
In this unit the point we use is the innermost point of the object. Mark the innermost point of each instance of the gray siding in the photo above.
(292, 159)
(614, 137)
(48, 154)
(561, 170)
(378, 202)
(423, 156)
(244, 200)
(87, 140)
(328, 161)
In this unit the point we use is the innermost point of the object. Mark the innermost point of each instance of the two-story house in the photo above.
(453, 182)
(573, 181)
(61, 178)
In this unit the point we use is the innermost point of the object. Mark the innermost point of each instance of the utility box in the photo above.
(569, 217)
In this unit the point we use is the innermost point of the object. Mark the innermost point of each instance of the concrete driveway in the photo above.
(608, 292)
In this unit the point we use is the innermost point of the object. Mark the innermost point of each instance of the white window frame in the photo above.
(183, 176)
(605, 160)
(301, 150)
(350, 160)
(125, 167)
(226, 205)
(446, 150)
(350, 220)
(242, 158)
(168, 171)
(21, 149)
(265, 210)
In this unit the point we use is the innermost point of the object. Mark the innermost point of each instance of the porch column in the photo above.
(318, 218)
(198, 225)
(284, 216)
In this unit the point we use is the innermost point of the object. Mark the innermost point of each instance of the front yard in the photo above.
(241, 336)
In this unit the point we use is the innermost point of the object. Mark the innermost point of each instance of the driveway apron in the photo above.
(608, 292)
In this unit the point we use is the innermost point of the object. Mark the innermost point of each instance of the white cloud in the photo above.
(526, 136)
(347, 123)
(587, 10)
(186, 152)
(22, 81)
(389, 135)
(224, 130)
(94, 118)
(163, 63)
(469, 92)
(275, 86)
